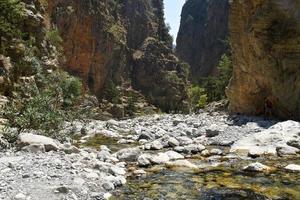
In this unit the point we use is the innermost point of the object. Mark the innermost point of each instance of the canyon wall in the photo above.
(203, 34)
(100, 39)
(265, 37)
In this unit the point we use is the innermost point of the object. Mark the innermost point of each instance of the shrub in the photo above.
(41, 112)
(71, 89)
(215, 86)
(197, 97)
(111, 92)
(131, 108)
(54, 38)
(44, 104)
(11, 16)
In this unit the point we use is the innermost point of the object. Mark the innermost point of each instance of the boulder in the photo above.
(50, 144)
(144, 160)
(161, 158)
(174, 155)
(129, 154)
(182, 163)
(293, 167)
(287, 151)
(212, 131)
(172, 142)
(256, 167)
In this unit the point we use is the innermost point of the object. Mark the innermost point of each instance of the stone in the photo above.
(34, 148)
(179, 149)
(256, 152)
(182, 163)
(216, 152)
(294, 143)
(145, 136)
(184, 140)
(50, 144)
(129, 154)
(160, 158)
(139, 172)
(144, 160)
(225, 143)
(20, 196)
(174, 155)
(156, 145)
(256, 167)
(108, 186)
(212, 131)
(103, 155)
(69, 149)
(287, 151)
(172, 142)
(205, 153)
(268, 140)
(193, 148)
(63, 190)
(115, 170)
(104, 148)
(293, 167)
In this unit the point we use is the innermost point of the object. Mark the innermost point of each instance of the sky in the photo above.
(172, 15)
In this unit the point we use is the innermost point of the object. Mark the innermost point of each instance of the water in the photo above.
(225, 182)
(220, 183)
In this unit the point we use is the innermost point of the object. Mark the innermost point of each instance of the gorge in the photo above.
(97, 103)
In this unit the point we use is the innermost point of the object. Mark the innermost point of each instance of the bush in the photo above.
(197, 97)
(41, 112)
(44, 104)
(11, 16)
(215, 86)
(54, 38)
(111, 93)
(71, 89)
(131, 108)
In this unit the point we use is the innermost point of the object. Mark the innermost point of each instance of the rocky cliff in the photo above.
(101, 37)
(202, 36)
(265, 36)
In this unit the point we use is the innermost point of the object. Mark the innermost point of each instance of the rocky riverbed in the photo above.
(168, 156)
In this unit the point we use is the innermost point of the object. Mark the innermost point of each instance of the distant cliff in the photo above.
(202, 36)
(265, 37)
(100, 39)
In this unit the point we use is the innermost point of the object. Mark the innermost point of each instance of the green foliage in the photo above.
(41, 112)
(111, 93)
(44, 104)
(131, 108)
(54, 38)
(71, 90)
(11, 16)
(172, 77)
(215, 86)
(197, 97)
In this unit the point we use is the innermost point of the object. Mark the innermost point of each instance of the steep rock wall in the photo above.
(202, 34)
(91, 37)
(100, 38)
(265, 36)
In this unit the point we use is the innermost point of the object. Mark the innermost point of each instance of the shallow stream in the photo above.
(219, 178)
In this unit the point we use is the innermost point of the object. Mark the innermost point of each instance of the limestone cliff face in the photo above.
(202, 34)
(100, 38)
(265, 36)
(91, 36)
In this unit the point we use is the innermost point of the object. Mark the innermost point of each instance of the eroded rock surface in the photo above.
(202, 36)
(265, 39)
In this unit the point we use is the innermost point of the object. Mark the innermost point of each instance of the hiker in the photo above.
(268, 107)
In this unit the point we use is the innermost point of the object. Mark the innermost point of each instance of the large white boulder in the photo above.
(26, 139)
(266, 141)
